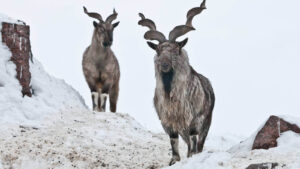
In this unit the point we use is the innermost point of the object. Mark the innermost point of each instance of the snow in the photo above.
(291, 119)
(51, 95)
(287, 153)
(4, 18)
(55, 129)
(85, 140)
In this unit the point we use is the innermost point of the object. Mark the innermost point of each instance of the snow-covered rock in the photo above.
(267, 136)
(240, 156)
(51, 95)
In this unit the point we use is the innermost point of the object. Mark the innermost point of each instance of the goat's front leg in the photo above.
(103, 98)
(95, 97)
(175, 151)
(192, 144)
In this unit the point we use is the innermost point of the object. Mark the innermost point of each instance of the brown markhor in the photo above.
(184, 100)
(100, 65)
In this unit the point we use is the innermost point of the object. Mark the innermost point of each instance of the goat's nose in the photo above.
(165, 65)
(106, 44)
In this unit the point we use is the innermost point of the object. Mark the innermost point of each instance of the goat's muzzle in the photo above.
(107, 44)
(165, 67)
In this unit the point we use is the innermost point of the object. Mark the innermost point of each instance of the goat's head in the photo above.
(169, 50)
(103, 29)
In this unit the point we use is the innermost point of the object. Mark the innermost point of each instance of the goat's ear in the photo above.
(95, 24)
(116, 24)
(182, 43)
(152, 45)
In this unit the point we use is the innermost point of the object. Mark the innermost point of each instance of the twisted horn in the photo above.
(183, 29)
(93, 15)
(155, 35)
(146, 22)
(193, 12)
(179, 31)
(152, 34)
(111, 17)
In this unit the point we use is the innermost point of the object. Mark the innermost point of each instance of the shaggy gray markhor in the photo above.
(184, 99)
(100, 65)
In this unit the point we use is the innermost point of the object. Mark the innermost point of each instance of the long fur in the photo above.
(190, 101)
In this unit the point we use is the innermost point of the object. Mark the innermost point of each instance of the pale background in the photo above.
(248, 49)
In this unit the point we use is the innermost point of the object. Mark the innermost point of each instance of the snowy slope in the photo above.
(54, 128)
(240, 156)
(84, 140)
(92, 140)
(51, 95)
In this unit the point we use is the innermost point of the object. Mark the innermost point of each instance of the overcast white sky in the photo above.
(250, 50)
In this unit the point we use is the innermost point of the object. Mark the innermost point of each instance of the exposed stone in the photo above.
(16, 38)
(263, 166)
(267, 136)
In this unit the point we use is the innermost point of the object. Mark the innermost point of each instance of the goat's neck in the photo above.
(99, 50)
(98, 47)
(175, 82)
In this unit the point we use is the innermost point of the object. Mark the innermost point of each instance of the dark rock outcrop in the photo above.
(263, 166)
(16, 38)
(267, 136)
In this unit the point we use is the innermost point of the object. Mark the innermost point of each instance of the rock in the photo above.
(16, 38)
(263, 166)
(267, 136)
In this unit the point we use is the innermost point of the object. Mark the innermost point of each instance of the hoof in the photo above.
(174, 160)
(98, 110)
(190, 154)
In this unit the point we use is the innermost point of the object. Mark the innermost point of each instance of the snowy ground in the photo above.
(90, 140)
(240, 155)
(84, 140)
(105, 140)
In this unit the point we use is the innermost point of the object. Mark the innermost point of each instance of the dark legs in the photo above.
(192, 146)
(192, 140)
(203, 134)
(175, 150)
(99, 100)
(201, 141)
(193, 137)
(113, 98)
(95, 97)
(102, 102)
(103, 98)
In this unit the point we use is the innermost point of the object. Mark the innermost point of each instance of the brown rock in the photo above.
(263, 166)
(16, 38)
(267, 136)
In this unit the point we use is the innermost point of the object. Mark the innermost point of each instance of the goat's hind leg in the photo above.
(203, 132)
(113, 98)
(202, 138)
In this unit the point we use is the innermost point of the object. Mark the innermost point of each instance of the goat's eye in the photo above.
(101, 29)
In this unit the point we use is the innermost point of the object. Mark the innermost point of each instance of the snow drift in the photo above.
(51, 95)
(240, 156)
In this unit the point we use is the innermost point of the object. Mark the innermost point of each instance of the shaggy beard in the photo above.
(167, 79)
